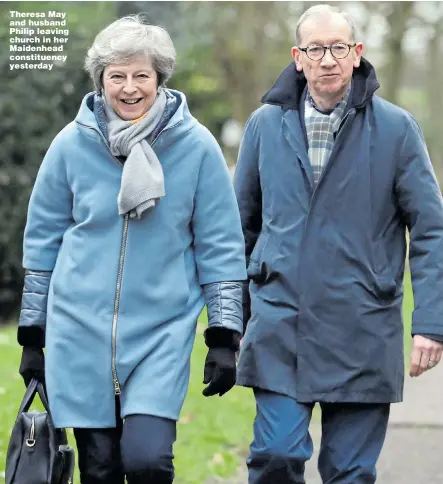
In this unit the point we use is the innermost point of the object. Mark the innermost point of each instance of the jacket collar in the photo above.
(288, 89)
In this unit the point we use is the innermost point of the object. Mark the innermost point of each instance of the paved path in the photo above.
(413, 451)
(423, 400)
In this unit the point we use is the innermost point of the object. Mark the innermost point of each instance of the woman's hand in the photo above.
(220, 371)
(32, 364)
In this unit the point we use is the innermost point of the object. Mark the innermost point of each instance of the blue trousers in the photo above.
(352, 439)
(140, 449)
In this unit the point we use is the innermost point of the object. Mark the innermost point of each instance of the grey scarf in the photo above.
(142, 182)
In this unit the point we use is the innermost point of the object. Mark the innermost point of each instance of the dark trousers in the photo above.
(352, 439)
(139, 448)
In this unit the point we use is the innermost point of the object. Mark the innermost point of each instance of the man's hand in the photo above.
(426, 354)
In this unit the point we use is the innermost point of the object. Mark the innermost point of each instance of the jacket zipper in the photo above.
(116, 382)
(117, 389)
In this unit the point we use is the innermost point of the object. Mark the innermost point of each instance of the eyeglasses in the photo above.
(340, 50)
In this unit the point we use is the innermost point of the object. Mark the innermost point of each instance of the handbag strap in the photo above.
(42, 394)
(34, 387)
(31, 389)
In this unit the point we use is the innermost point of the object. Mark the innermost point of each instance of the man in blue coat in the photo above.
(328, 179)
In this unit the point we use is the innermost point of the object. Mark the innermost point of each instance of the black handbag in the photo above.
(38, 453)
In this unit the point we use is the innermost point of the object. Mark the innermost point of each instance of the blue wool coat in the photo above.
(128, 287)
(326, 264)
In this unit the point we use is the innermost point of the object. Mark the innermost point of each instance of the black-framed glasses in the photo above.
(339, 50)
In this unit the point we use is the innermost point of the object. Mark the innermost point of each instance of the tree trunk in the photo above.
(246, 53)
(392, 71)
(434, 117)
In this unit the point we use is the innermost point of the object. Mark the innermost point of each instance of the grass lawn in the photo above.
(213, 433)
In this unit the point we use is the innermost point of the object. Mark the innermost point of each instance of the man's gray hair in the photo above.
(125, 39)
(319, 9)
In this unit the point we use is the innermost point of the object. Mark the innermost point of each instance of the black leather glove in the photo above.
(32, 364)
(220, 371)
(220, 365)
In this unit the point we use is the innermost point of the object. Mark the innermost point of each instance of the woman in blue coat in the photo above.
(132, 227)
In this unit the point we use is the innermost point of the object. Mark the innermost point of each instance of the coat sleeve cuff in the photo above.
(435, 337)
(426, 322)
(32, 321)
(224, 303)
(216, 337)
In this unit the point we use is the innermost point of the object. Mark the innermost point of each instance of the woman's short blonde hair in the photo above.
(125, 39)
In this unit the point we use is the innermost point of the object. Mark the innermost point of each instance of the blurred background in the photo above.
(229, 55)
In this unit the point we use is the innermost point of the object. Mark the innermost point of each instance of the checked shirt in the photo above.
(320, 129)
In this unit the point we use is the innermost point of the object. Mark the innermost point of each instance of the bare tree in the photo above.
(398, 15)
(251, 45)
(434, 74)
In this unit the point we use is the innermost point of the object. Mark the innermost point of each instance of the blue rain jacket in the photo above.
(326, 264)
